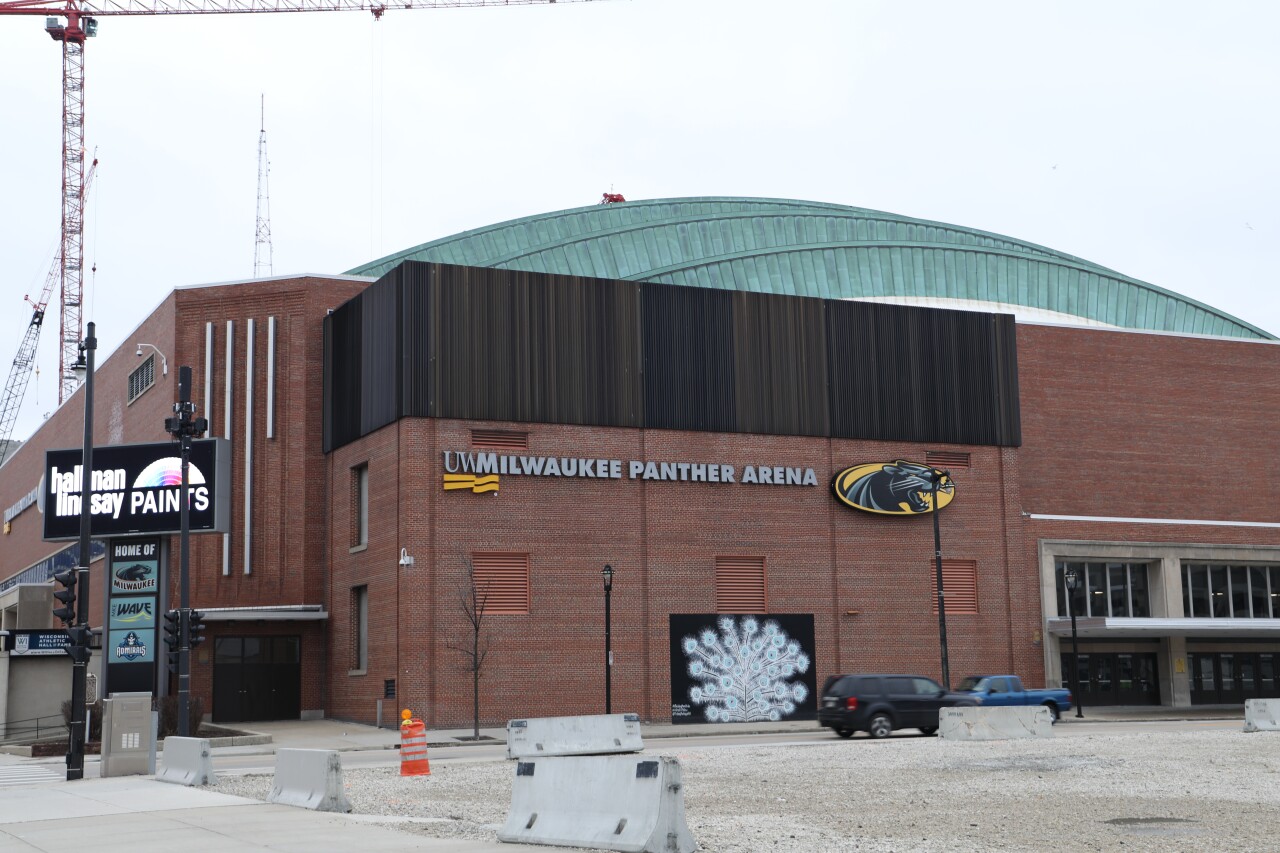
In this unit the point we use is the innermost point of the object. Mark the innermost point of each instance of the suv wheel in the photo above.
(880, 726)
(844, 732)
(928, 730)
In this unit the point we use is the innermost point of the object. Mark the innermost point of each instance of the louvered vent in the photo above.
(960, 583)
(740, 585)
(502, 581)
(948, 459)
(497, 439)
(142, 378)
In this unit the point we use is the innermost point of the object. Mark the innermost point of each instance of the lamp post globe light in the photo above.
(607, 574)
(1072, 577)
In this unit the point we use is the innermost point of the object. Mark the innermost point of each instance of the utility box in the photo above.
(128, 735)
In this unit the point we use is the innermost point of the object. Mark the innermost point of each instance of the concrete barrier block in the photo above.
(186, 761)
(598, 734)
(609, 802)
(1262, 715)
(309, 779)
(978, 723)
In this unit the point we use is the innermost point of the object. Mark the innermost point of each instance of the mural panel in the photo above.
(740, 668)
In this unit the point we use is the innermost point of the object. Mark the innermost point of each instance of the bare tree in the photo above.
(474, 648)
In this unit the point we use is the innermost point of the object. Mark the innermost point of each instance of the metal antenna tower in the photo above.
(262, 240)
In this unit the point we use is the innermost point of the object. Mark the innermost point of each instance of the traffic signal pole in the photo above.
(182, 427)
(78, 626)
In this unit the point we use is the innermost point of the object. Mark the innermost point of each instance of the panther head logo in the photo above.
(897, 488)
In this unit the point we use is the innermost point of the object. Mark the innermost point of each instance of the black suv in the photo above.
(878, 704)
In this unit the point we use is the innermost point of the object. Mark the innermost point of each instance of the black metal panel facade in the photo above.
(780, 364)
(379, 357)
(434, 340)
(522, 346)
(688, 358)
(343, 345)
(921, 374)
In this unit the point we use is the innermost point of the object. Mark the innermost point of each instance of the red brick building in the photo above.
(688, 438)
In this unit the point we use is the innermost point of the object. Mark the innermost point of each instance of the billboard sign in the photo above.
(135, 489)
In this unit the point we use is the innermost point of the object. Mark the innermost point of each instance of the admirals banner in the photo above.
(134, 488)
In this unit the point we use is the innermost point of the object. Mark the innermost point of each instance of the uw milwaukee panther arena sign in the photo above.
(134, 488)
(892, 488)
(481, 472)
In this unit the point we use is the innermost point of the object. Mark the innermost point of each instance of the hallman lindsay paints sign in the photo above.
(134, 488)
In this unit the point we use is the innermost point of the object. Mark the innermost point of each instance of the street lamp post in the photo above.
(607, 574)
(78, 631)
(937, 477)
(1072, 577)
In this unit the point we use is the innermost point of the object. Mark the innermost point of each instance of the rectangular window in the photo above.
(1238, 578)
(959, 586)
(360, 506)
(1260, 601)
(740, 585)
(1219, 603)
(502, 582)
(1105, 589)
(359, 629)
(1139, 596)
(1198, 581)
(143, 377)
(1096, 602)
(1118, 586)
(1241, 592)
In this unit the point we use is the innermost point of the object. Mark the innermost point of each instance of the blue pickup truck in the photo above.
(1008, 690)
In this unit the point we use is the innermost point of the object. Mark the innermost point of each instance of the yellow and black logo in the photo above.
(892, 488)
(479, 485)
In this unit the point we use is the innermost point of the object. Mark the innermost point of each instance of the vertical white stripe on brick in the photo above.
(226, 427)
(248, 447)
(271, 377)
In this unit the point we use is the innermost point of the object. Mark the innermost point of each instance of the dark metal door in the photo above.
(257, 678)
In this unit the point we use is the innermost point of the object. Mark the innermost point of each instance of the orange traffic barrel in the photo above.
(413, 749)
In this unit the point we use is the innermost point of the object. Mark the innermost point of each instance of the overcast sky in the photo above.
(1143, 136)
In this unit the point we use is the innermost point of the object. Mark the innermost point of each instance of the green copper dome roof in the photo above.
(813, 249)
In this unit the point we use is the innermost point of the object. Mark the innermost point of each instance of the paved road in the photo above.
(264, 762)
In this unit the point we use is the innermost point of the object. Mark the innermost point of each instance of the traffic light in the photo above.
(173, 636)
(195, 629)
(79, 646)
(67, 595)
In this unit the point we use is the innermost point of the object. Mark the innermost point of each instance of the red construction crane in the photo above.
(15, 387)
(80, 22)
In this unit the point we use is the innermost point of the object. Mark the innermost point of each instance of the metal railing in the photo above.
(33, 730)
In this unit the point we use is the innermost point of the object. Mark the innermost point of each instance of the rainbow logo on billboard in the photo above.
(167, 472)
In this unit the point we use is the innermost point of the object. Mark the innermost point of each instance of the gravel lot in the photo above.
(1190, 791)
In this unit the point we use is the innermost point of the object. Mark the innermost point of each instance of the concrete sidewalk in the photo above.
(129, 814)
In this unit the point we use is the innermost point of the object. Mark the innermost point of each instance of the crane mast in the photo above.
(80, 23)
